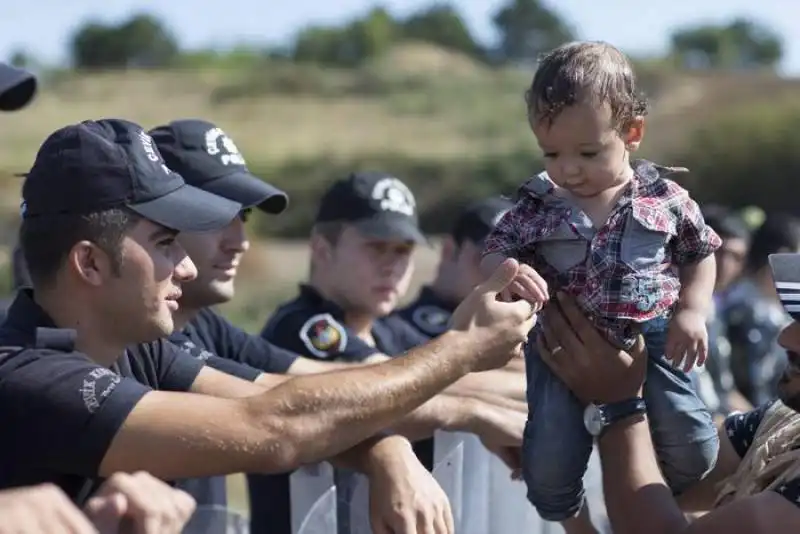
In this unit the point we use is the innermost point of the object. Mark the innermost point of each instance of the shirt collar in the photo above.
(313, 297)
(26, 317)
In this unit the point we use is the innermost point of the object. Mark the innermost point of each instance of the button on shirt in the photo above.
(314, 327)
(621, 272)
(60, 409)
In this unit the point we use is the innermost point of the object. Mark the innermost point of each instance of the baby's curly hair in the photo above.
(585, 71)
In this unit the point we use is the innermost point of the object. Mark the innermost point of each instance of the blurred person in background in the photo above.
(716, 383)
(458, 270)
(753, 316)
(207, 158)
(456, 275)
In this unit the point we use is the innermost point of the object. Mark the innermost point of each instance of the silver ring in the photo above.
(556, 350)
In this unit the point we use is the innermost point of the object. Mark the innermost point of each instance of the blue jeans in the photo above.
(556, 446)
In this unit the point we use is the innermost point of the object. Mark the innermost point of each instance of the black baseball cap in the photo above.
(111, 163)
(207, 158)
(377, 204)
(786, 276)
(479, 218)
(17, 87)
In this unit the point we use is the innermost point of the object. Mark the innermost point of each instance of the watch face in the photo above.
(593, 420)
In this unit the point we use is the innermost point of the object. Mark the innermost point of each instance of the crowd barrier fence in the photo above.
(483, 497)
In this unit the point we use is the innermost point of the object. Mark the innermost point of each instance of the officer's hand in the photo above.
(39, 509)
(496, 329)
(139, 503)
(406, 499)
(502, 426)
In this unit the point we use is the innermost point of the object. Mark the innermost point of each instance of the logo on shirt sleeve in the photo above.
(323, 336)
(431, 319)
(97, 385)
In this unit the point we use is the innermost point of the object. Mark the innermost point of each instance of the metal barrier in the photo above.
(482, 495)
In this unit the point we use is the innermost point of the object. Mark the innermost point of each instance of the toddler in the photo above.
(631, 247)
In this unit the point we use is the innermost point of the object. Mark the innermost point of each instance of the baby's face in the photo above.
(582, 152)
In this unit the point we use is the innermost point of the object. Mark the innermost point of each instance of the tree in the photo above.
(141, 41)
(441, 24)
(742, 44)
(22, 59)
(349, 45)
(528, 28)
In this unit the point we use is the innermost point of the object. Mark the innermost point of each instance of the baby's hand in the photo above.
(687, 339)
(529, 286)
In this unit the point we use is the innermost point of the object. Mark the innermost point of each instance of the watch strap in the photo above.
(616, 411)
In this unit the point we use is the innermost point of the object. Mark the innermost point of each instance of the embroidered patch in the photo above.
(431, 319)
(323, 336)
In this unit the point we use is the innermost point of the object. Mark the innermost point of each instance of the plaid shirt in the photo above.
(623, 272)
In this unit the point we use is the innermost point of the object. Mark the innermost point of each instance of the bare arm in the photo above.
(638, 500)
(294, 423)
(508, 381)
(509, 384)
(481, 414)
(697, 285)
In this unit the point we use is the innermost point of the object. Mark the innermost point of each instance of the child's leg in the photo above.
(556, 446)
(682, 428)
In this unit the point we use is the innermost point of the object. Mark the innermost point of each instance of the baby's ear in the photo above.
(634, 134)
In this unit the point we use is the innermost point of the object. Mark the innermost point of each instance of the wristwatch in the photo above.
(598, 417)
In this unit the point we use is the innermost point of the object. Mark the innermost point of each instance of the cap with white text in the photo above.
(377, 204)
(208, 158)
(112, 163)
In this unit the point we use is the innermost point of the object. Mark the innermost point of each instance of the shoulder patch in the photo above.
(431, 319)
(323, 335)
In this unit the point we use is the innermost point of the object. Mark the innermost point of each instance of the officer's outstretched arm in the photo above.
(310, 418)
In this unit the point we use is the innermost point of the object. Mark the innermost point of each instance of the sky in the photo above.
(43, 27)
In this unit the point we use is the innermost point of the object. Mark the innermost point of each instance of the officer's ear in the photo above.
(449, 249)
(89, 263)
(321, 248)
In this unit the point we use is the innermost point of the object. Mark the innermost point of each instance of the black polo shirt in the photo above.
(60, 410)
(429, 314)
(214, 340)
(314, 327)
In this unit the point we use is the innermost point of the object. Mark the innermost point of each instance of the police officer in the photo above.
(458, 271)
(364, 235)
(362, 243)
(100, 214)
(208, 159)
